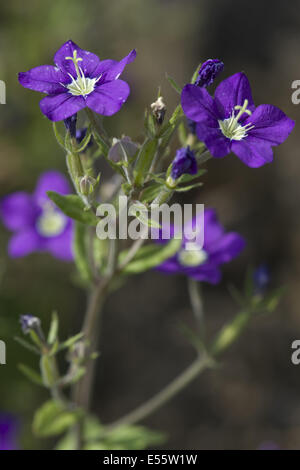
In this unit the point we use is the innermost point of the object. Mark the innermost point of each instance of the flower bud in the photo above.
(70, 124)
(208, 72)
(87, 185)
(184, 162)
(159, 110)
(29, 322)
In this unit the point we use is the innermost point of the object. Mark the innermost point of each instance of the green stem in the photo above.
(224, 339)
(166, 394)
(194, 288)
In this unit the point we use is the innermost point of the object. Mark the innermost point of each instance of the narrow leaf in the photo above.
(31, 374)
(150, 256)
(73, 207)
(144, 160)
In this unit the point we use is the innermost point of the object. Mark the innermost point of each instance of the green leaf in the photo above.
(31, 374)
(53, 331)
(182, 134)
(85, 141)
(48, 370)
(173, 84)
(186, 178)
(67, 442)
(69, 342)
(169, 128)
(73, 207)
(230, 333)
(150, 256)
(144, 160)
(101, 143)
(183, 189)
(195, 74)
(150, 193)
(58, 137)
(53, 418)
(140, 211)
(80, 251)
(271, 301)
(27, 345)
(149, 124)
(128, 438)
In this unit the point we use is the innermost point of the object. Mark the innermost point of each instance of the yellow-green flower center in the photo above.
(231, 128)
(192, 257)
(81, 85)
(51, 222)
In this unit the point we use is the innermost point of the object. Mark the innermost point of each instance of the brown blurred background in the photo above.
(254, 396)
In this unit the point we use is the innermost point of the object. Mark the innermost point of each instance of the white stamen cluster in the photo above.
(81, 85)
(51, 222)
(192, 257)
(231, 128)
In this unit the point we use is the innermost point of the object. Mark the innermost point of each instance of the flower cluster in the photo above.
(227, 122)
(51, 220)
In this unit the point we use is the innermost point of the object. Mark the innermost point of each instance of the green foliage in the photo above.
(73, 207)
(144, 160)
(80, 251)
(31, 374)
(96, 437)
(150, 256)
(53, 330)
(127, 438)
(53, 418)
(173, 84)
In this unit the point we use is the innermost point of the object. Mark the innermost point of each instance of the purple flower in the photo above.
(78, 80)
(230, 122)
(203, 264)
(184, 162)
(208, 72)
(8, 432)
(37, 223)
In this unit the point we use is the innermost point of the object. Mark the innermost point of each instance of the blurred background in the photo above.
(254, 396)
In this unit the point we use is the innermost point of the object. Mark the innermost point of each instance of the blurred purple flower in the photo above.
(8, 432)
(37, 223)
(203, 264)
(230, 122)
(261, 278)
(208, 72)
(78, 80)
(184, 162)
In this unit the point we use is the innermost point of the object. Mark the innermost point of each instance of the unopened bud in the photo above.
(29, 322)
(87, 185)
(159, 110)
